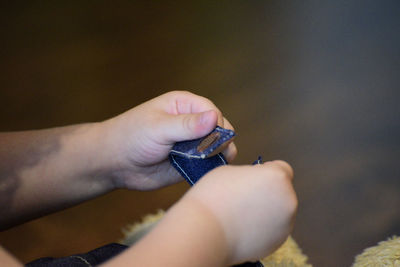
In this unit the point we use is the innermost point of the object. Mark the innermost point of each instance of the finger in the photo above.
(183, 127)
(283, 166)
(184, 102)
(220, 121)
(228, 125)
(230, 152)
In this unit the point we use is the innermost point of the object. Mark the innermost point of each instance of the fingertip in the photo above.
(206, 122)
(176, 128)
(230, 152)
(208, 117)
(282, 166)
(285, 167)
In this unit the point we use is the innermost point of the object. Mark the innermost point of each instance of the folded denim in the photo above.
(193, 164)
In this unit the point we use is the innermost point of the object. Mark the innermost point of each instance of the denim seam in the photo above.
(82, 259)
(186, 154)
(177, 164)
(186, 175)
(225, 163)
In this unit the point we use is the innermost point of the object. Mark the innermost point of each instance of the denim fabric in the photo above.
(92, 258)
(192, 164)
(190, 149)
(193, 169)
(250, 264)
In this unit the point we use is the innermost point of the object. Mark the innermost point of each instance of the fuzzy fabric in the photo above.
(386, 253)
(288, 255)
(134, 232)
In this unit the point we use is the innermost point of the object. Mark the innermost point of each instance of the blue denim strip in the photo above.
(92, 258)
(189, 149)
(193, 169)
(193, 164)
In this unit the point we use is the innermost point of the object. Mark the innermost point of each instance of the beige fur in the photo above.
(386, 253)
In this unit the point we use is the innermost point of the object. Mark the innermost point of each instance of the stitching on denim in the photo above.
(186, 175)
(177, 164)
(225, 163)
(221, 130)
(226, 135)
(186, 155)
(82, 259)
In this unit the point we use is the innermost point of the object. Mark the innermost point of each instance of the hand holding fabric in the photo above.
(139, 140)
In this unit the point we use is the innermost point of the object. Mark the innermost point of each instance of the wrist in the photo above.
(205, 231)
(85, 149)
(188, 235)
(114, 162)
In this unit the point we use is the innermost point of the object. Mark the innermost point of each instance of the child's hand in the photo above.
(255, 205)
(232, 215)
(137, 142)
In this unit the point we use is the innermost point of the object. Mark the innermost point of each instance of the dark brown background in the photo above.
(313, 83)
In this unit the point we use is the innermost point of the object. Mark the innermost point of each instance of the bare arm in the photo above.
(232, 215)
(46, 170)
(188, 235)
(6, 259)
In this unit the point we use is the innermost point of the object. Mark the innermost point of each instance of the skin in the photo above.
(47, 170)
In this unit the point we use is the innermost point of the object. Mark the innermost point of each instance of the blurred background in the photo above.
(310, 82)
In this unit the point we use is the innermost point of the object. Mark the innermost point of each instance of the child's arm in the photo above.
(233, 214)
(47, 170)
(188, 235)
(6, 259)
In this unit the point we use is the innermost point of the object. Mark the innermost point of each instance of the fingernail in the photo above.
(204, 117)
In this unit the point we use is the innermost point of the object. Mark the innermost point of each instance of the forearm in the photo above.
(6, 259)
(46, 170)
(188, 235)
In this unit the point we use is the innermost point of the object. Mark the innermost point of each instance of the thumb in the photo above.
(189, 126)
